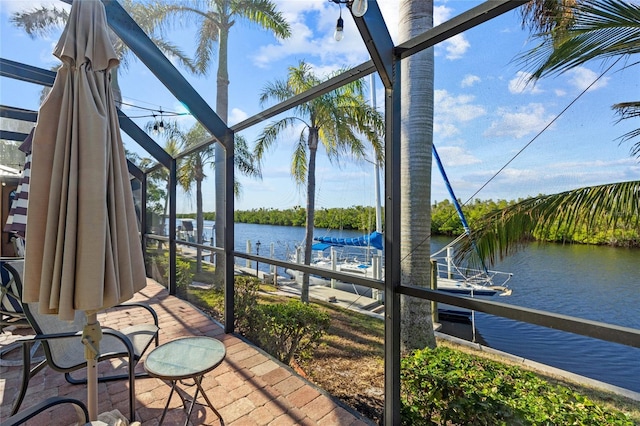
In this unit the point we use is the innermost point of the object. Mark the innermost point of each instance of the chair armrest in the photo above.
(126, 342)
(140, 305)
(24, 415)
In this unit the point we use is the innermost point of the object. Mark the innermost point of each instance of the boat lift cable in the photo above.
(544, 129)
(569, 105)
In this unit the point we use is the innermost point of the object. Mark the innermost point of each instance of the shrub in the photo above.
(247, 314)
(184, 276)
(291, 330)
(444, 386)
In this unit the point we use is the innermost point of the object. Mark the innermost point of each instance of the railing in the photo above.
(599, 330)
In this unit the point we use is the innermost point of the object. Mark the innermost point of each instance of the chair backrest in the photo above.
(10, 287)
(62, 353)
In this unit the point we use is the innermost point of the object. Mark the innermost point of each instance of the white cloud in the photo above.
(441, 13)
(519, 123)
(582, 77)
(469, 80)
(456, 156)
(520, 84)
(456, 47)
(312, 26)
(451, 111)
(236, 116)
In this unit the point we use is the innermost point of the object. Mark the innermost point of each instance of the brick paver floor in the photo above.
(248, 388)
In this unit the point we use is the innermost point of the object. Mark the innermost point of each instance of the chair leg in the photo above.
(132, 380)
(132, 391)
(27, 374)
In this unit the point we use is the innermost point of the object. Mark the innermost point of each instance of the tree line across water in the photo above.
(444, 221)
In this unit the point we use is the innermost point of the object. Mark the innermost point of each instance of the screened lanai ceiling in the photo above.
(375, 37)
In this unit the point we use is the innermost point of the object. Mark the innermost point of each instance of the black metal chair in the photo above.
(11, 313)
(31, 412)
(64, 351)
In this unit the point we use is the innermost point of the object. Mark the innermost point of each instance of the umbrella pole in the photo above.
(91, 336)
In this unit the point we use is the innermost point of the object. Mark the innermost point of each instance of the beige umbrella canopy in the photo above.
(83, 246)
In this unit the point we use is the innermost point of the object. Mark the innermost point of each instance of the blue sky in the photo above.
(484, 114)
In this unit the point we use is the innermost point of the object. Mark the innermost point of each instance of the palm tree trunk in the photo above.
(199, 223)
(222, 107)
(416, 16)
(311, 205)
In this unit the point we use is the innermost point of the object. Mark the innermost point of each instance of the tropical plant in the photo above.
(191, 169)
(214, 20)
(575, 32)
(504, 231)
(572, 33)
(416, 330)
(43, 21)
(337, 121)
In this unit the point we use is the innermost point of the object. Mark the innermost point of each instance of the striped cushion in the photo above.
(9, 292)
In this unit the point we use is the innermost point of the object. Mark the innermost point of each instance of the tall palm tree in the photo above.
(214, 19)
(572, 33)
(192, 169)
(416, 330)
(337, 121)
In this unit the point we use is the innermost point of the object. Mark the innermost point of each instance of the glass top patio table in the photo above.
(186, 358)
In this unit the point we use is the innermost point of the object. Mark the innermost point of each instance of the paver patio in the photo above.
(248, 388)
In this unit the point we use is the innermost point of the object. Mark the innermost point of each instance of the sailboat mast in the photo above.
(376, 165)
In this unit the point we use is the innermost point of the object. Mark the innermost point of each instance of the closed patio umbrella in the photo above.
(83, 245)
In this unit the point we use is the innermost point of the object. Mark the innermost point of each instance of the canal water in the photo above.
(595, 283)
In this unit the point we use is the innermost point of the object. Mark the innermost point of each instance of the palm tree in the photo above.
(191, 169)
(580, 31)
(44, 21)
(572, 33)
(416, 330)
(214, 19)
(336, 120)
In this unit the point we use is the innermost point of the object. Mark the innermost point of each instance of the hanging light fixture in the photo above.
(161, 124)
(339, 28)
(358, 7)
(155, 125)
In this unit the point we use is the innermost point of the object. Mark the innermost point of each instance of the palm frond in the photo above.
(244, 160)
(602, 207)
(40, 22)
(269, 135)
(547, 15)
(207, 38)
(173, 51)
(600, 29)
(264, 14)
(299, 160)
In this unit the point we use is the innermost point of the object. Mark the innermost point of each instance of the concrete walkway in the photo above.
(248, 388)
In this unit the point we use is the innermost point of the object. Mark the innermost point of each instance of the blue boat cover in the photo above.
(374, 240)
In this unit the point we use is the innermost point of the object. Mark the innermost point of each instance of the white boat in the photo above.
(450, 278)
